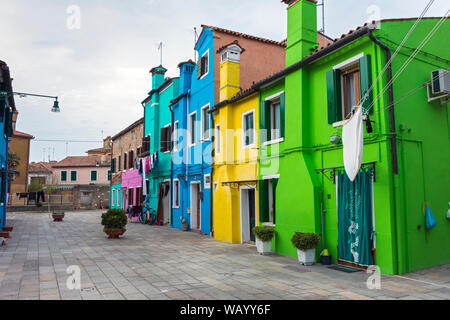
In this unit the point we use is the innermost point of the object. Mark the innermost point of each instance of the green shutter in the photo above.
(2, 108)
(8, 123)
(73, 176)
(113, 165)
(93, 175)
(63, 175)
(334, 96)
(120, 164)
(262, 122)
(282, 113)
(109, 175)
(365, 82)
(263, 200)
(274, 194)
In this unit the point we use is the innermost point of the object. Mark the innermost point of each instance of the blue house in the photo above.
(7, 109)
(193, 125)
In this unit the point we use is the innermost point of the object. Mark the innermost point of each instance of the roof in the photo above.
(243, 35)
(41, 167)
(235, 42)
(159, 69)
(129, 128)
(167, 82)
(83, 161)
(22, 134)
(241, 95)
(99, 150)
(186, 62)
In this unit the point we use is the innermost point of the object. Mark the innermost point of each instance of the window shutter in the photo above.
(163, 140)
(73, 176)
(262, 122)
(125, 161)
(113, 165)
(274, 197)
(9, 132)
(263, 200)
(169, 138)
(365, 82)
(93, 175)
(120, 164)
(199, 68)
(2, 109)
(131, 159)
(6, 127)
(282, 112)
(334, 96)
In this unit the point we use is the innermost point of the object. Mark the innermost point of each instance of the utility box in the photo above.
(440, 82)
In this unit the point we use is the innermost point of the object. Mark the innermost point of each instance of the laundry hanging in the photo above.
(352, 139)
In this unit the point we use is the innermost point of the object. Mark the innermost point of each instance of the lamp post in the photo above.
(55, 107)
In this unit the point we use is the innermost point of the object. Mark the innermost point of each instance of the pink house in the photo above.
(84, 170)
(132, 186)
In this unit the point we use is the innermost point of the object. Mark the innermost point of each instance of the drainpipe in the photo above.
(213, 155)
(171, 168)
(394, 183)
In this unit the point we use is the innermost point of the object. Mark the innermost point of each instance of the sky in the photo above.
(95, 55)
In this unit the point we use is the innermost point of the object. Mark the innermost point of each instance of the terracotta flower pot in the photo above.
(5, 234)
(114, 234)
(58, 217)
(7, 229)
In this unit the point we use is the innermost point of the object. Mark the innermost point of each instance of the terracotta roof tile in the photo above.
(83, 161)
(22, 134)
(41, 167)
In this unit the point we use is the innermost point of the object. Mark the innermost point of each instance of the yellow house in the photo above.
(235, 169)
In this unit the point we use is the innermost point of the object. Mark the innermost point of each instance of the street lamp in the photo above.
(55, 107)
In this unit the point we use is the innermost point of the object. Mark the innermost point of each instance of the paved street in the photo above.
(158, 263)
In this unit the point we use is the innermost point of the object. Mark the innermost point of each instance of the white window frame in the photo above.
(252, 111)
(192, 130)
(175, 205)
(207, 185)
(207, 106)
(217, 139)
(274, 98)
(167, 126)
(175, 139)
(207, 64)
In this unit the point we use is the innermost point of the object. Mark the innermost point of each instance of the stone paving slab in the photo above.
(160, 263)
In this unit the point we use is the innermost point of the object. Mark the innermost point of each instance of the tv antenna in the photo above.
(195, 42)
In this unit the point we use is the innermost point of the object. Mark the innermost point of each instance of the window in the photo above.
(113, 198)
(131, 159)
(63, 176)
(94, 175)
(176, 193)
(175, 136)
(267, 199)
(132, 134)
(166, 138)
(73, 176)
(272, 118)
(202, 65)
(193, 127)
(248, 127)
(145, 148)
(217, 139)
(120, 163)
(205, 123)
(125, 157)
(347, 84)
(109, 175)
(131, 197)
(139, 196)
(207, 181)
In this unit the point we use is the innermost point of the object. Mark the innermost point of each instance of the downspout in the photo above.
(171, 168)
(187, 143)
(213, 155)
(394, 153)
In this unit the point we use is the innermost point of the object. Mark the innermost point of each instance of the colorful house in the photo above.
(192, 175)
(379, 218)
(7, 109)
(158, 136)
(126, 181)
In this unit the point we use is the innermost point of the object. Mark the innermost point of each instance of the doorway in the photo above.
(166, 202)
(195, 206)
(248, 214)
(356, 232)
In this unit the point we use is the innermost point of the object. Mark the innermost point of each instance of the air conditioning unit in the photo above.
(440, 82)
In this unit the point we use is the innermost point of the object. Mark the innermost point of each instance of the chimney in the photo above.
(14, 120)
(230, 65)
(301, 29)
(158, 76)
(186, 70)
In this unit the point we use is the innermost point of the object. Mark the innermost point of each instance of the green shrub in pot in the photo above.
(114, 220)
(305, 244)
(264, 233)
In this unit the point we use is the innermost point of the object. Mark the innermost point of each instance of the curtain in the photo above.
(355, 225)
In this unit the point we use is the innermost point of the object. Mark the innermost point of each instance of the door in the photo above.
(195, 206)
(355, 219)
(248, 214)
(166, 202)
(86, 199)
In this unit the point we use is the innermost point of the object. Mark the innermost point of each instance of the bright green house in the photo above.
(378, 219)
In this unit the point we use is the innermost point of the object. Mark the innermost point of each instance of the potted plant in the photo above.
(58, 216)
(306, 244)
(114, 222)
(184, 224)
(7, 228)
(264, 235)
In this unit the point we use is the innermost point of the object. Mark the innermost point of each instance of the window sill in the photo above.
(273, 141)
(249, 146)
(268, 224)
